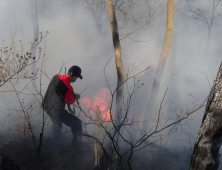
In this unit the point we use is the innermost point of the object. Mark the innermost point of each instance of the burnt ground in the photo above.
(59, 156)
(62, 156)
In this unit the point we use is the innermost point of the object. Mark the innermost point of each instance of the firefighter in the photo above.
(59, 93)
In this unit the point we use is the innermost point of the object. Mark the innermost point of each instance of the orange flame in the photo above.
(100, 104)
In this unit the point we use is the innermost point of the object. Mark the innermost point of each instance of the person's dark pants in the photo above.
(68, 119)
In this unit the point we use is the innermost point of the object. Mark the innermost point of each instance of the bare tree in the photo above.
(34, 17)
(132, 16)
(13, 64)
(189, 9)
(115, 155)
(163, 58)
(118, 59)
(206, 149)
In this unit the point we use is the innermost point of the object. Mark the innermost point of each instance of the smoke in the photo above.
(74, 38)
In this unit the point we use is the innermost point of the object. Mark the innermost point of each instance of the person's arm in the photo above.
(69, 98)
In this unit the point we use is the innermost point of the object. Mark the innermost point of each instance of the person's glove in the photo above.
(76, 96)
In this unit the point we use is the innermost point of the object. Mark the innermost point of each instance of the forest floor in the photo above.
(62, 156)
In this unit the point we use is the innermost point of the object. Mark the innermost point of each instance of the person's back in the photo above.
(53, 101)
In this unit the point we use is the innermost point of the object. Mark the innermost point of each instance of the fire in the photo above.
(100, 104)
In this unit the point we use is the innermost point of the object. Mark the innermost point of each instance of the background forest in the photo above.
(41, 38)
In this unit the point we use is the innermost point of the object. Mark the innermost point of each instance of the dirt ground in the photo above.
(62, 156)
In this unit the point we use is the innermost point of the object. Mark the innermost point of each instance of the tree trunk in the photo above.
(210, 28)
(34, 14)
(162, 61)
(205, 155)
(118, 59)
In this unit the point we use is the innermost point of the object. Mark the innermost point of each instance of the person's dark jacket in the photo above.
(58, 93)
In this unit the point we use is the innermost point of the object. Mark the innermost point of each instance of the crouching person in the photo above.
(59, 93)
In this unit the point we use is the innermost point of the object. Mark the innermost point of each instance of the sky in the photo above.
(75, 39)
